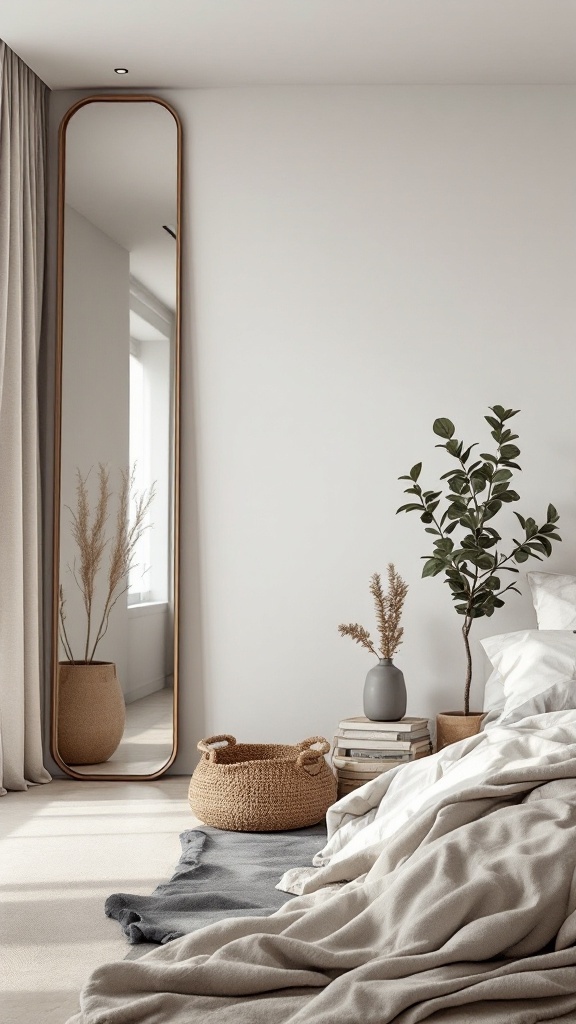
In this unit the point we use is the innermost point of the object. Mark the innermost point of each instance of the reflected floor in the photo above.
(147, 741)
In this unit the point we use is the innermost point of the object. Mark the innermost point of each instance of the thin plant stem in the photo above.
(62, 631)
(465, 633)
(125, 541)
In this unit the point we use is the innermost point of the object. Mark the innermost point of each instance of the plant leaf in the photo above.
(444, 545)
(494, 423)
(466, 454)
(432, 567)
(482, 559)
(492, 583)
(443, 427)
(509, 451)
(492, 508)
(411, 507)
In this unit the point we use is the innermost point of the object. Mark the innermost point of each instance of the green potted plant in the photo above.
(91, 711)
(472, 561)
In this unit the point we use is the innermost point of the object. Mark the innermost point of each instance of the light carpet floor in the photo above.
(64, 848)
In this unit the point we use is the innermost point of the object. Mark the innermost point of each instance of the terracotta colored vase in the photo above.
(91, 712)
(452, 726)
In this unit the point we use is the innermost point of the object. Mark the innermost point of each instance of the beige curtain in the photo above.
(22, 212)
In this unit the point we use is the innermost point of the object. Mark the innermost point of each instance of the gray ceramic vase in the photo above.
(385, 693)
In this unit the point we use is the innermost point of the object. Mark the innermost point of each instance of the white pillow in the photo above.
(554, 597)
(531, 661)
(559, 697)
(494, 699)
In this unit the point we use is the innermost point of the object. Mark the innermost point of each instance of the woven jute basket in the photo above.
(261, 787)
(91, 712)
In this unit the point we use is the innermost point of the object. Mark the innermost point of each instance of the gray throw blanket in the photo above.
(219, 875)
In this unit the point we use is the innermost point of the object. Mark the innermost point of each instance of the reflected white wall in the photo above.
(94, 405)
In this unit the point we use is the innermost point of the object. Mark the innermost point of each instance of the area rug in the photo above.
(219, 875)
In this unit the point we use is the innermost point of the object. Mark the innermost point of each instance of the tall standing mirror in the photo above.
(115, 604)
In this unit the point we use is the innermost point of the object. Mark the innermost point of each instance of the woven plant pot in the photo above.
(91, 712)
(452, 726)
(257, 787)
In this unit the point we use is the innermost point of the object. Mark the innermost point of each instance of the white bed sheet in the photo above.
(362, 823)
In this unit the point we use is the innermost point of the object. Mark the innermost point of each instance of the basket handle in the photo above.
(211, 752)
(312, 760)
(323, 745)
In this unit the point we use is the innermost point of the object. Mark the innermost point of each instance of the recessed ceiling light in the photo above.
(121, 71)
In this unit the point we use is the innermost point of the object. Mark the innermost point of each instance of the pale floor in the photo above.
(65, 847)
(147, 742)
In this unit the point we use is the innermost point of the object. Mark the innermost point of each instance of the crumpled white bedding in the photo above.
(362, 824)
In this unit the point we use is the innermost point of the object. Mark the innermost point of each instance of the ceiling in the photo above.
(217, 43)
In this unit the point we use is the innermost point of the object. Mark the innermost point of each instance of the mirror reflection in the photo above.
(115, 593)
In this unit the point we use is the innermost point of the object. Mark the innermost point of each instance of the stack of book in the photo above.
(364, 749)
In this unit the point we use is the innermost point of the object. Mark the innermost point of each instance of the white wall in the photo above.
(358, 261)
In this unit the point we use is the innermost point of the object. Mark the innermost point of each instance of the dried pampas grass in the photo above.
(388, 613)
(89, 532)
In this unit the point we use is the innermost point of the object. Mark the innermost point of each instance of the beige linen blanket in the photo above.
(467, 914)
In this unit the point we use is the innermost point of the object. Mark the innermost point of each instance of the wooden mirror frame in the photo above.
(112, 98)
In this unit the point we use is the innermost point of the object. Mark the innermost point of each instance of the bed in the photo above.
(446, 891)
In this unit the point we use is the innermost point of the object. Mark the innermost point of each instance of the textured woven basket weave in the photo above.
(257, 787)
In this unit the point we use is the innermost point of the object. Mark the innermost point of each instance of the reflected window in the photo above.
(151, 327)
(139, 577)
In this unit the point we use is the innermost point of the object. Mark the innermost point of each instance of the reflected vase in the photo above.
(91, 712)
(385, 693)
